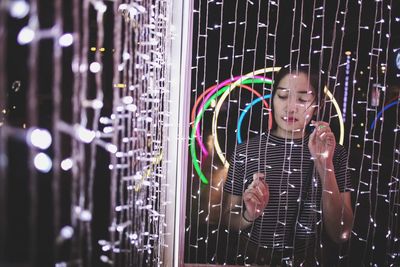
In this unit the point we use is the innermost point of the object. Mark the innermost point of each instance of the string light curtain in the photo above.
(237, 47)
(85, 100)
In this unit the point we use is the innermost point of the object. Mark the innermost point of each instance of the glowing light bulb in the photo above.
(133, 236)
(95, 67)
(66, 40)
(67, 164)
(100, 7)
(67, 232)
(19, 9)
(97, 104)
(108, 129)
(127, 100)
(131, 107)
(25, 36)
(126, 56)
(85, 216)
(42, 162)
(84, 134)
(39, 138)
(111, 148)
(104, 258)
(106, 248)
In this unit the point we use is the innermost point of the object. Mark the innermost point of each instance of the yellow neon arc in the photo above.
(238, 82)
(339, 113)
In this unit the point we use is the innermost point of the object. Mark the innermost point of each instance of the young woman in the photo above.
(286, 183)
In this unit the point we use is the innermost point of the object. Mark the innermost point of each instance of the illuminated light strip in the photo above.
(147, 174)
(226, 82)
(119, 85)
(383, 110)
(259, 79)
(198, 134)
(339, 113)
(244, 112)
(192, 118)
(247, 76)
(219, 104)
(346, 85)
(193, 134)
(196, 126)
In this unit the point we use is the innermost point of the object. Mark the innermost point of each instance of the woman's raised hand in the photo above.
(322, 143)
(256, 197)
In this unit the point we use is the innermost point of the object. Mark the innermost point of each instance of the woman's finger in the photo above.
(253, 198)
(253, 192)
(262, 187)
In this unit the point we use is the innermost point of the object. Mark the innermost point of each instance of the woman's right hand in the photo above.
(256, 197)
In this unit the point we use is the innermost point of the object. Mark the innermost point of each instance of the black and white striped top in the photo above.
(286, 165)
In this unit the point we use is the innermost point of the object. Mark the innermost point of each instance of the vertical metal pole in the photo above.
(178, 132)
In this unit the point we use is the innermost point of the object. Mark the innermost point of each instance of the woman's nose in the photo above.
(291, 105)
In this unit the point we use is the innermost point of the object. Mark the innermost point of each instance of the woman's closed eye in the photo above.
(282, 96)
(302, 100)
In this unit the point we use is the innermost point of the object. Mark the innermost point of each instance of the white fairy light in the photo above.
(94, 67)
(19, 8)
(67, 232)
(131, 107)
(67, 164)
(85, 216)
(84, 134)
(108, 129)
(127, 100)
(66, 40)
(40, 138)
(42, 162)
(100, 6)
(111, 148)
(97, 104)
(25, 36)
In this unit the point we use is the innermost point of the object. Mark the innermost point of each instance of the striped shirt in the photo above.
(286, 165)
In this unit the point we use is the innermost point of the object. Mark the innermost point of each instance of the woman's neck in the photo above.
(288, 135)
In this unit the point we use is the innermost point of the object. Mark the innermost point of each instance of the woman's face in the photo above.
(293, 105)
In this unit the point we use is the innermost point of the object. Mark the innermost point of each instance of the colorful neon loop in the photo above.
(213, 89)
(219, 104)
(196, 124)
(244, 112)
(383, 110)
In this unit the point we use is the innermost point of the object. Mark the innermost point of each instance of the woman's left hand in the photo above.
(322, 143)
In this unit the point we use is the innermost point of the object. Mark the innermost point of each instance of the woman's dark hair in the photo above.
(316, 79)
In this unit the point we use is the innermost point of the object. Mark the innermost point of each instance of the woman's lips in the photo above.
(289, 119)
